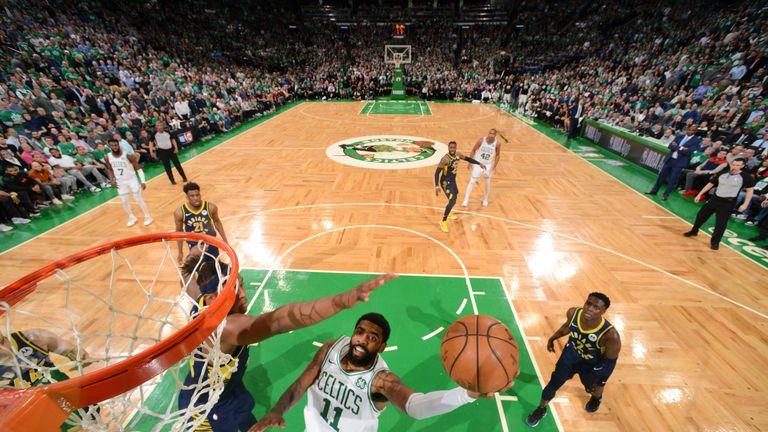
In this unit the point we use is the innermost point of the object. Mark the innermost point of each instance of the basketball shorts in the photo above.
(231, 413)
(131, 186)
(449, 188)
(569, 365)
(478, 171)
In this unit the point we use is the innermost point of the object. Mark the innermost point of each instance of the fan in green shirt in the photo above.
(67, 148)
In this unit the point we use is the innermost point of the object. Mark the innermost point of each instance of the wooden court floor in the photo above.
(693, 321)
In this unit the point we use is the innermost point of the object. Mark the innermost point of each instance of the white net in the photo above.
(107, 309)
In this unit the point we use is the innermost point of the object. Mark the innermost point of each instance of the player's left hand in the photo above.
(743, 207)
(365, 289)
(269, 420)
(485, 167)
(143, 186)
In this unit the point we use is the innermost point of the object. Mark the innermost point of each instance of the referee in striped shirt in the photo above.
(723, 200)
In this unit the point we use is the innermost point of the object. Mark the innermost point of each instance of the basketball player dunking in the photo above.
(123, 169)
(445, 178)
(25, 354)
(232, 411)
(485, 150)
(592, 349)
(197, 216)
(350, 385)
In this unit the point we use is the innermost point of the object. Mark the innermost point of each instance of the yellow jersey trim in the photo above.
(204, 206)
(581, 329)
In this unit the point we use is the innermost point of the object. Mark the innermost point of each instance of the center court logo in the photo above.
(387, 152)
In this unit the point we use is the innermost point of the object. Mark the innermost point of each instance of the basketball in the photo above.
(480, 354)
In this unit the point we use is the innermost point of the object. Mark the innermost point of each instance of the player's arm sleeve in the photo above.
(425, 405)
(612, 349)
(470, 160)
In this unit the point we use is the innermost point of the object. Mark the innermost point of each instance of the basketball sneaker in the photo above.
(132, 220)
(464, 203)
(444, 226)
(452, 216)
(593, 404)
(485, 203)
(535, 417)
(147, 221)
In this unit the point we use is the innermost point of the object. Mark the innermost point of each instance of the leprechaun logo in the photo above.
(387, 152)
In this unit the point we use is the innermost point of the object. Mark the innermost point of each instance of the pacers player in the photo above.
(592, 349)
(24, 355)
(445, 178)
(197, 216)
(122, 169)
(486, 149)
(232, 411)
(349, 385)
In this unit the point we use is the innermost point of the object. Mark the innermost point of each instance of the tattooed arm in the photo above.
(244, 329)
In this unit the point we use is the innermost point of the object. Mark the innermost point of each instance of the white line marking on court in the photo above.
(390, 348)
(408, 230)
(317, 344)
(461, 308)
(504, 427)
(478, 292)
(425, 337)
(508, 398)
(533, 338)
(522, 224)
(674, 216)
(254, 283)
(660, 217)
(561, 400)
(528, 348)
(115, 199)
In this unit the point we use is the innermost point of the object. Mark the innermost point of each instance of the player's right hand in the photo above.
(437, 190)
(365, 289)
(180, 259)
(268, 421)
(551, 345)
(114, 183)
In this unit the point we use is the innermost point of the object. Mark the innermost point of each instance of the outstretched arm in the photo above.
(294, 393)
(52, 342)
(244, 329)
(475, 148)
(420, 405)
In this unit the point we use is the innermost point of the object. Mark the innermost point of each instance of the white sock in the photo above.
(126, 205)
(487, 188)
(470, 185)
(142, 204)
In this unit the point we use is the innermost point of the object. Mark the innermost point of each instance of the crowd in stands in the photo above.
(76, 75)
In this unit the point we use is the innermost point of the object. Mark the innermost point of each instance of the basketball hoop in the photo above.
(46, 407)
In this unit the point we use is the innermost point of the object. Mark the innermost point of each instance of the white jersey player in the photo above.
(123, 169)
(486, 149)
(349, 386)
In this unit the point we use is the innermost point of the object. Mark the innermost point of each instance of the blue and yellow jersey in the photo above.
(26, 370)
(199, 221)
(587, 344)
(449, 169)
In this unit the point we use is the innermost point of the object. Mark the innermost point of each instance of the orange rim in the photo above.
(46, 407)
